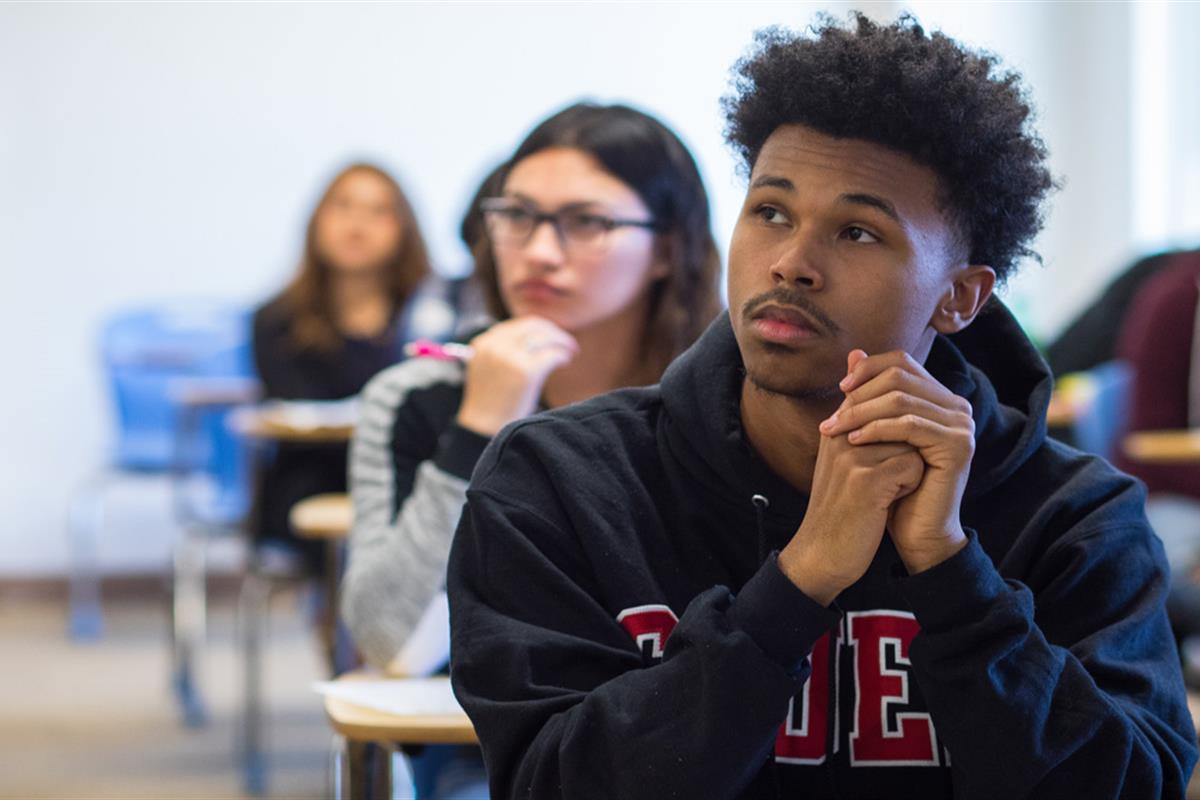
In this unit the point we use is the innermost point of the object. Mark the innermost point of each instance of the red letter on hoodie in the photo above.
(801, 738)
(884, 734)
(649, 626)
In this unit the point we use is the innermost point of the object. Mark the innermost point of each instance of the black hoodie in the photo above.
(621, 629)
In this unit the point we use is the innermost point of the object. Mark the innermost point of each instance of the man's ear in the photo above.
(957, 308)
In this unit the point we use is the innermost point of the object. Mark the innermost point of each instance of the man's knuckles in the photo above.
(890, 379)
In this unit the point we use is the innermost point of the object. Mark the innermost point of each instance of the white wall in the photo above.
(1075, 60)
(1166, 124)
(151, 151)
(156, 151)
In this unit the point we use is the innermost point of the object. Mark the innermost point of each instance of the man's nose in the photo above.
(801, 263)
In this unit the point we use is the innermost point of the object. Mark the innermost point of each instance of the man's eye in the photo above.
(770, 215)
(857, 234)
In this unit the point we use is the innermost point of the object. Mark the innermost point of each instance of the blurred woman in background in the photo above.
(364, 286)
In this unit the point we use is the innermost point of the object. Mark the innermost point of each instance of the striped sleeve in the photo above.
(409, 466)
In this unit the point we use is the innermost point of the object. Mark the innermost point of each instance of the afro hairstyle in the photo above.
(925, 96)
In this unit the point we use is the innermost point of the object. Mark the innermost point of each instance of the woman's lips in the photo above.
(537, 290)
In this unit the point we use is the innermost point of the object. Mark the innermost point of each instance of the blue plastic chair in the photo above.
(153, 357)
(1098, 428)
(212, 479)
(146, 351)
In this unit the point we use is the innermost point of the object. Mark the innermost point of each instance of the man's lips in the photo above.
(784, 324)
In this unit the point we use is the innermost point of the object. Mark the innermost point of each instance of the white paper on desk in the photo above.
(395, 696)
(311, 414)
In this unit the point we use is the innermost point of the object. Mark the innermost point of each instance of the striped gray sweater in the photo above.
(409, 467)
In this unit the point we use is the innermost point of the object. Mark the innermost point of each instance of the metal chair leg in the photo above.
(338, 756)
(84, 525)
(253, 608)
(386, 777)
(189, 611)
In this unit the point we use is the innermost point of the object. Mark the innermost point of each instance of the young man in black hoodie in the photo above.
(833, 554)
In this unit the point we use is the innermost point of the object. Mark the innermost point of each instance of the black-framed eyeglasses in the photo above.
(512, 222)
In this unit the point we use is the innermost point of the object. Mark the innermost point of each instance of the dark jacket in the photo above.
(1089, 340)
(618, 632)
(291, 471)
(1158, 342)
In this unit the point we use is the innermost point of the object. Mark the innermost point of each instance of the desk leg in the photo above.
(358, 770)
(329, 614)
(368, 771)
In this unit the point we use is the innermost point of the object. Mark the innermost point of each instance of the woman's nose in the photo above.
(545, 245)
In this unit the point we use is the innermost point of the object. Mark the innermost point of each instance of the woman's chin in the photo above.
(546, 311)
(355, 269)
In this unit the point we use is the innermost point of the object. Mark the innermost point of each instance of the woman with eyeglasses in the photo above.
(600, 266)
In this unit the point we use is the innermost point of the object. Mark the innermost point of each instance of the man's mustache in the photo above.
(788, 296)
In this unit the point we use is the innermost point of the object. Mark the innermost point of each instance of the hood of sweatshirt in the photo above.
(991, 363)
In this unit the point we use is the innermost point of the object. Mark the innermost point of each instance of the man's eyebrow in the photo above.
(874, 201)
(854, 198)
(774, 181)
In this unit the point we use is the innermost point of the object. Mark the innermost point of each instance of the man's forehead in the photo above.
(813, 160)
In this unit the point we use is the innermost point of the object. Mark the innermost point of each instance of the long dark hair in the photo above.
(645, 155)
(308, 299)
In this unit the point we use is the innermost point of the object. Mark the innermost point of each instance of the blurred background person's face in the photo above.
(358, 227)
(581, 275)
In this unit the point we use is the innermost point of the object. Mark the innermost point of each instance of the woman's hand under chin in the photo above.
(508, 369)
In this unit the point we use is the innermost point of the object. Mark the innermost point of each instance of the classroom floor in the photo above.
(99, 721)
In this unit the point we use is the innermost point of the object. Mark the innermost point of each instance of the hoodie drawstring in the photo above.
(761, 504)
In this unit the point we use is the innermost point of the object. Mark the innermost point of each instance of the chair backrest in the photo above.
(225, 468)
(145, 351)
(1099, 426)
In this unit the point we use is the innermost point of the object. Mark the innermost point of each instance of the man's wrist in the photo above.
(933, 552)
(783, 620)
(815, 583)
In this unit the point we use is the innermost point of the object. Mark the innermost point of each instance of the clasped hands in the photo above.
(894, 456)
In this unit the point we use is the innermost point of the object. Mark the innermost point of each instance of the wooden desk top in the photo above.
(215, 392)
(1062, 412)
(1073, 395)
(323, 516)
(368, 725)
(263, 423)
(1164, 447)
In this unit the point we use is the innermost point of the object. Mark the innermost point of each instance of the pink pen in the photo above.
(450, 351)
